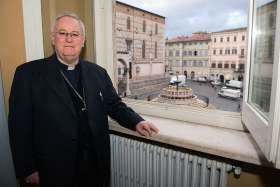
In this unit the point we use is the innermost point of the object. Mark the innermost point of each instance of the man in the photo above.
(58, 115)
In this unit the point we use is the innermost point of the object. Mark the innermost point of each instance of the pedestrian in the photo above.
(58, 115)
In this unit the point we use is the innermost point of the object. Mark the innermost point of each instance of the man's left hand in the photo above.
(146, 128)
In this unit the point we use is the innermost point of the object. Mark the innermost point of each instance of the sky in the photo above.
(183, 17)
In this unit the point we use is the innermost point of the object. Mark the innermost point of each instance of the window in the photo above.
(143, 49)
(156, 28)
(243, 38)
(190, 53)
(221, 51)
(170, 54)
(177, 53)
(241, 66)
(156, 47)
(261, 106)
(213, 65)
(128, 45)
(221, 39)
(195, 63)
(144, 26)
(215, 40)
(214, 52)
(195, 53)
(220, 65)
(226, 66)
(228, 39)
(242, 52)
(184, 63)
(254, 98)
(128, 23)
(234, 51)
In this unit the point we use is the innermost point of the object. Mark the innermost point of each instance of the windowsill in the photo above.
(227, 143)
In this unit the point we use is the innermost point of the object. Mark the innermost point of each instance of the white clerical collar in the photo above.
(69, 66)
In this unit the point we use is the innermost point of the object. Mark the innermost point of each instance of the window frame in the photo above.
(265, 132)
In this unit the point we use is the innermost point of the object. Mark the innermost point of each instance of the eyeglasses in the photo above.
(64, 34)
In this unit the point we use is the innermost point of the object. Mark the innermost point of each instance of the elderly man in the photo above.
(58, 115)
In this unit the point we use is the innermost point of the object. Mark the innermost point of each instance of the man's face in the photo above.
(68, 39)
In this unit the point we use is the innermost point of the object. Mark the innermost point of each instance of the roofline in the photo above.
(140, 9)
(230, 30)
(181, 41)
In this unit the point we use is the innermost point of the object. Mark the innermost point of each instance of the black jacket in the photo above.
(43, 122)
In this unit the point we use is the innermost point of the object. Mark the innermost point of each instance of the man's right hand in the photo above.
(33, 178)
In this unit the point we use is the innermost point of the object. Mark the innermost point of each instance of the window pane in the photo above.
(174, 60)
(262, 55)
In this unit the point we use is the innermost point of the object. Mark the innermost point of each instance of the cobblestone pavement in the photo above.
(205, 90)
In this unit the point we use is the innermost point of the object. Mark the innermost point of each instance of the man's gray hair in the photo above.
(72, 15)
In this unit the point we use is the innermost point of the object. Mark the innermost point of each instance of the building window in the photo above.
(128, 23)
(234, 38)
(190, 53)
(194, 63)
(143, 49)
(215, 40)
(228, 39)
(232, 66)
(227, 51)
(271, 20)
(226, 66)
(144, 25)
(213, 65)
(156, 49)
(128, 45)
(177, 53)
(214, 52)
(242, 52)
(221, 39)
(184, 63)
(156, 28)
(170, 53)
(241, 66)
(234, 51)
(220, 65)
(184, 53)
(195, 53)
(221, 51)
(270, 47)
(243, 38)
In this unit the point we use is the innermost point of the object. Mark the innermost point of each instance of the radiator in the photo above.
(134, 163)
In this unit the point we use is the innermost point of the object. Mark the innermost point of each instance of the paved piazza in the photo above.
(203, 90)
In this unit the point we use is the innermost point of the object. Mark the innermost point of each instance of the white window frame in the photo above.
(264, 131)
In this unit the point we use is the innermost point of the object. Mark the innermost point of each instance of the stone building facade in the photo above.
(227, 54)
(189, 55)
(139, 47)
